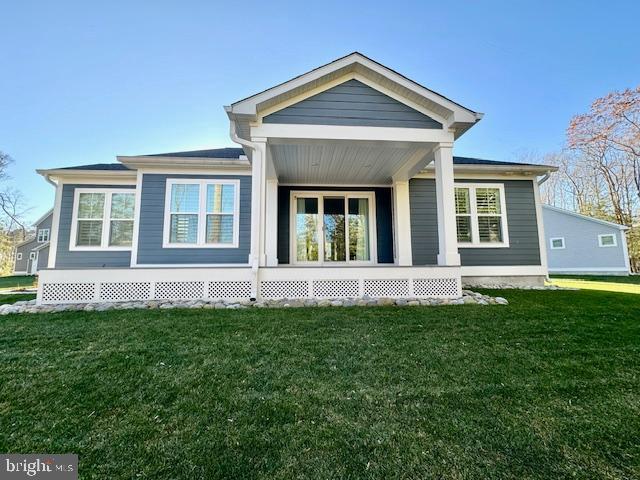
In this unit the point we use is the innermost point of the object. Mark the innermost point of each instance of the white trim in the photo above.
(42, 246)
(499, 271)
(475, 243)
(478, 171)
(542, 246)
(602, 235)
(201, 213)
(190, 265)
(21, 273)
(55, 224)
(159, 162)
(18, 256)
(271, 219)
(588, 269)
(448, 253)
(136, 219)
(625, 252)
(106, 219)
(579, 215)
(320, 194)
(42, 233)
(402, 223)
(552, 247)
(43, 217)
(33, 262)
(173, 170)
(93, 177)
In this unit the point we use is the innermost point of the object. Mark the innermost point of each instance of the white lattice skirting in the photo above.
(118, 285)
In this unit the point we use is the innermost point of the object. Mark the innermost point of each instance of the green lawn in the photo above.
(547, 387)
(626, 284)
(17, 281)
(16, 297)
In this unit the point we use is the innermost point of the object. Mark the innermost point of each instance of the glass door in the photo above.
(333, 228)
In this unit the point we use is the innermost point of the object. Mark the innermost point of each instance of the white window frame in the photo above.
(202, 212)
(19, 256)
(551, 240)
(615, 240)
(106, 220)
(475, 230)
(320, 194)
(32, 255)
(43, 235)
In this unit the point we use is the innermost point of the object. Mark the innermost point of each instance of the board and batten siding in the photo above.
(66, 258)
(150, 234)
(384, 228)
(352, 103)
(524, 247)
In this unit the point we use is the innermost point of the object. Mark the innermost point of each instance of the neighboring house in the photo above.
(345, 185)
(33, 254)
(578, 244)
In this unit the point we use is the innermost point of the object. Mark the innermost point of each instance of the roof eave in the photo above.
(586, 217)
(68, 172)
(188, 162)
(532, 170)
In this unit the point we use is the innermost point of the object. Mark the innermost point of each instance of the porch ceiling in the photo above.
(345, 163)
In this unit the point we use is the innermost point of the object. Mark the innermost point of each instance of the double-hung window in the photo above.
(201, 213)
(481, 217)
(43, 235)
(102, 219)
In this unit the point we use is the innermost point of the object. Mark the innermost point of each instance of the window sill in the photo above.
(99, 249)
(198, 245)
(483, 245)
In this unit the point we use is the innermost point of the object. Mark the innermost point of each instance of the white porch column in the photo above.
(445, 200)
(271, 233)
(402, 222)
(257, 181)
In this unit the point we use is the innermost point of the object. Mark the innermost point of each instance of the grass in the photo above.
(17, 281)
(547, 387)
(16, 297)
(622, 284)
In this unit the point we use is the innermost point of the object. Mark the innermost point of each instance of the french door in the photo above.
(333, 228)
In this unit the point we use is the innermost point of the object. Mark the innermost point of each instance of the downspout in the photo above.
(254, 260)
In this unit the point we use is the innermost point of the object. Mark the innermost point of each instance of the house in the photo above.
(344, 185)
(578, 244)
(33, 254)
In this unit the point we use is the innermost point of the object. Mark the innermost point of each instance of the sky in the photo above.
(82, 82)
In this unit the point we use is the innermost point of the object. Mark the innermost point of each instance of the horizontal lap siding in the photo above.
(524, 246)
(353, 104)
(384, 233)
(22, 265)
(150, 250)
(82, 259)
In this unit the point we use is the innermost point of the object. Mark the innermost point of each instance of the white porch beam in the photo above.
(445, 201)
(340, 132)
(402, 223)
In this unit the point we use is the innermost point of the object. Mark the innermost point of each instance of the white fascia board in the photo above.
(523, 170)
(44, 245)
(187, 162)
(249, 105)
(90, 176)
(43, 217)
(585, 217)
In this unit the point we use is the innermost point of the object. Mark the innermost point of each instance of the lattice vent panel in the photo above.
(230, 289)
(436, 287)
(386, 288)
(179, 290)
(120, 291)
(284, 289)
(335, 288)
(68, 292)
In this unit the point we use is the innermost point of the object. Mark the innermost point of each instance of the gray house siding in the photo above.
(83, 259)
(582, 253)
(45, 224)
(23, 264)
(524, 248)
(352, 103)
(384, 221)
(43, 258)
(150, 235)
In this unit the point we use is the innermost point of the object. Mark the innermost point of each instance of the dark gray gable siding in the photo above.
(151, 227)
(23, 265)
(45, 223)
(43, 258)
(84, 259)
(524, 248)
(352, 103)
(384, 221)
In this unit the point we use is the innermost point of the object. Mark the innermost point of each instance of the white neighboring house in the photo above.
(578, 244)
(33, 254)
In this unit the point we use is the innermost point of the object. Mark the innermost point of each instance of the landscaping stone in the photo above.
(468, 297)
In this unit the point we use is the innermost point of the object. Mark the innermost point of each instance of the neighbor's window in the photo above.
(557, 243)
(201, 213)
(607, 240)
(480, 215)
(103, 219)
(43, 235)
(19, 256)
(32, 255)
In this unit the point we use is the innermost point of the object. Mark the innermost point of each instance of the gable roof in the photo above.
(97, 166)
(43, 217)
(585, 217)
(358, 66)
(211, 153)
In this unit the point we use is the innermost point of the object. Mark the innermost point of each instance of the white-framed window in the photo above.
(102, 219)
(556, 243)
(202, 213)
(19, 256)
(43, 235)
(481, 215)
(32, 255)
(607, 240)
